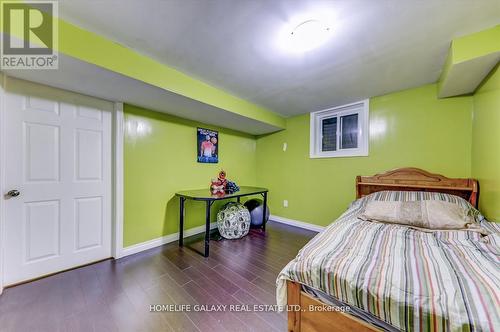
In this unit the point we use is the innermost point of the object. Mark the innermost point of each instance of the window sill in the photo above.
(340, 154)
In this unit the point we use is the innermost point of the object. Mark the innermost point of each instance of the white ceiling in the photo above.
(376, 47)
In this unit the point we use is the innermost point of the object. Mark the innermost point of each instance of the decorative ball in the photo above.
(233, 221)
(256, 209)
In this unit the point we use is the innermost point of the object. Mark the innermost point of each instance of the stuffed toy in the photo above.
(221, 185)
(222, 178)
(218, 185)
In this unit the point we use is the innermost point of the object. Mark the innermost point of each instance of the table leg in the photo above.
(207, 228)
(181, 221)
(264, 211)
(238, 199)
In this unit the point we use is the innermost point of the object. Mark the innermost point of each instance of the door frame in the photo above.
(3, 78)
(117, 137)
(117, 132)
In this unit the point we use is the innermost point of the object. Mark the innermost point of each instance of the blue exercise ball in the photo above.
(256, 208)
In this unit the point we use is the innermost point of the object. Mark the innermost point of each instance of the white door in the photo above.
(58, 158)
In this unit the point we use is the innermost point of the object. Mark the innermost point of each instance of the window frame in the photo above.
(316, 130)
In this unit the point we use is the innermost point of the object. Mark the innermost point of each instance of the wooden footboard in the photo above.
(320, 319)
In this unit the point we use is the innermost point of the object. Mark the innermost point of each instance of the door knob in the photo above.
(13, 193)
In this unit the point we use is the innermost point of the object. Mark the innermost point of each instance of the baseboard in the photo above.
(297, 223)
(136, 248)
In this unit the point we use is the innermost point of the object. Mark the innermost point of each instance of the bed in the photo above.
(358, 275)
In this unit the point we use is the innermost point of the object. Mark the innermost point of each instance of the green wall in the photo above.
(486, 145)
(408, 128)
(160, 159)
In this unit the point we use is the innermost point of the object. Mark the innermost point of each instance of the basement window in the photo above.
(340, 131)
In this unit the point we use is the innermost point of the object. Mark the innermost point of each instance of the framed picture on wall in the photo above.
(208, 146)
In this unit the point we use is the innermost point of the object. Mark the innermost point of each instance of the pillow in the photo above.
(412, 196)
(427, 215)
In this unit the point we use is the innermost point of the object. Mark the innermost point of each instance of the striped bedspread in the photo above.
(413, 280)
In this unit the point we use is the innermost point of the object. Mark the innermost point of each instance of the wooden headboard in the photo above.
(415, 179)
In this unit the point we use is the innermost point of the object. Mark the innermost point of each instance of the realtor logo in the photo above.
(29, 38)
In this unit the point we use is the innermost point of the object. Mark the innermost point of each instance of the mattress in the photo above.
(406, 278)
(351, 310)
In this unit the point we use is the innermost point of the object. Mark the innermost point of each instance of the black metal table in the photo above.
(205, 195)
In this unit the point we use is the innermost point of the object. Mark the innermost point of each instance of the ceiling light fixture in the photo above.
(308, 35)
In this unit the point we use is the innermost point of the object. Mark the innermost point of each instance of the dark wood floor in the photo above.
(116, 295)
